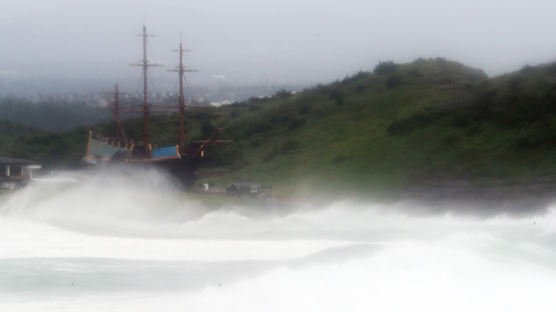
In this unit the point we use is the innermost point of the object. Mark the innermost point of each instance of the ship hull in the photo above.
(183, 170)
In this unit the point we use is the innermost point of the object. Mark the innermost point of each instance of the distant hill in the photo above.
(429, 121)
(51, 115)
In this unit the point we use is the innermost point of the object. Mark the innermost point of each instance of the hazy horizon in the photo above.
(252, 42)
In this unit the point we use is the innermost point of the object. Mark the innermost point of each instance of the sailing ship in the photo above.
(181, 160)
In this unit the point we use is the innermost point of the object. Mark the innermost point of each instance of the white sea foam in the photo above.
(130, 241)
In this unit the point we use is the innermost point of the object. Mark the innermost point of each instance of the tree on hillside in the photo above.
(282, 94)
(207, 129)
(337, 96)
(384, 68)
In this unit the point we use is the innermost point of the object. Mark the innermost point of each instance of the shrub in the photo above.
(256, 128)
(202, 116)
(261, 127)
(515, 82)
(527, 69)
(415, 73)
(357, 76)
(235, 113)
(451, 140)
(384, 68)
(286, 148)
(393, 81)
(337, 96)
(270, 156)
(542, 138)
(282, 94)
(254, 100)
(289, 147)
(305, 109)
(295, 123)
(339, 158)
(552, 68)
(360, 87)
(419, 120)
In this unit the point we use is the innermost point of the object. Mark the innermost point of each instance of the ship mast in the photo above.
(144, 63)
(181, 70)
(120, 131)
(114, 106)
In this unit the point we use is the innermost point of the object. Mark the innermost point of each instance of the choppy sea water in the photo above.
(105, 241)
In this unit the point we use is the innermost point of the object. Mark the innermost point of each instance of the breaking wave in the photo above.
(133, 241)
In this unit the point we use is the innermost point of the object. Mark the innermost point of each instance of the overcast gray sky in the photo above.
(285, 41)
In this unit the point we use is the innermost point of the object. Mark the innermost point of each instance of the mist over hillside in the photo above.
(428, 122)
(217, 89)
(73, 104)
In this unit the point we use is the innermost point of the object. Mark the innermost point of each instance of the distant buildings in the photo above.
(16, 172)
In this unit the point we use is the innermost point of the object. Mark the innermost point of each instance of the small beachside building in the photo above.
(248, 189)
(15, 172)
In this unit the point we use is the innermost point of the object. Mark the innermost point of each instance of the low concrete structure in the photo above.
(248, 189)
(16, 172)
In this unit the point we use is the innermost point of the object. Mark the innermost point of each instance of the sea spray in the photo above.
(133, 241)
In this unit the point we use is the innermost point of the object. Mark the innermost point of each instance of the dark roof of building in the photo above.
(17, 161)
(245, 184)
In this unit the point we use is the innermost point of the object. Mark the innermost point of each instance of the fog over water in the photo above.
(100, 241)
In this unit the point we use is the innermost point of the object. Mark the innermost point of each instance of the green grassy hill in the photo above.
(430, 121)
(424, 122)
(53, 149)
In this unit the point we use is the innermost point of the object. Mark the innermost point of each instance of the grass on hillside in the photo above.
(427, 121)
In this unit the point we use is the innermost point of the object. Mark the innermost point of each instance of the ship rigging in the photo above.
(181, 159)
